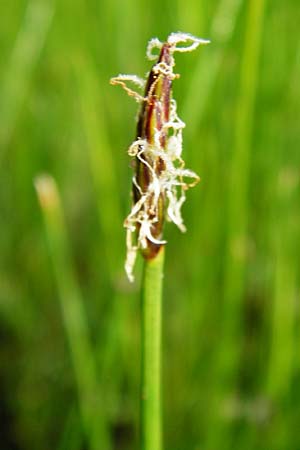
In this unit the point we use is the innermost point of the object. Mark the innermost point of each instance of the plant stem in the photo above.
(151, 353)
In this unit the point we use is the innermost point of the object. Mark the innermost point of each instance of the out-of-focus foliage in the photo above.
(69, 319)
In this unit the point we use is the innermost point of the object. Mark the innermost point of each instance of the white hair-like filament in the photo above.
(174, 180)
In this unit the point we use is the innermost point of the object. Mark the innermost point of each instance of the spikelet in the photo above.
(160, 179)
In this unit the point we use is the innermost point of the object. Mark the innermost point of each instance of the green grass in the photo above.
(70, 321)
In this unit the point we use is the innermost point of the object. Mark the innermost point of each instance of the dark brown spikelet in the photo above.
(153, 117)
(160, 177)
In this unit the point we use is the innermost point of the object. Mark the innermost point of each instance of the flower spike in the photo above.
(160, 179)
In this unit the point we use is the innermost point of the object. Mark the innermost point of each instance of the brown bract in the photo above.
(153, 118)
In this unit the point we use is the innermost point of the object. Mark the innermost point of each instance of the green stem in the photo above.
(151, 353)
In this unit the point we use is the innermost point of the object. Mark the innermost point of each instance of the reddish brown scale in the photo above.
(154, 115)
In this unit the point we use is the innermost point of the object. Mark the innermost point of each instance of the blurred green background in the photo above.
(69, 319)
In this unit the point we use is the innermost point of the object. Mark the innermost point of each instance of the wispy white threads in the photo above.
(174, 180)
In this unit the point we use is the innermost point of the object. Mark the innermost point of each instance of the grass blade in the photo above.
(208, 67)
(102, 165)
(74, 315)
(237, 220)
(28, 46)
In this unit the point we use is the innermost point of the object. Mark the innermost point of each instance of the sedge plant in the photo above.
(159, 184)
